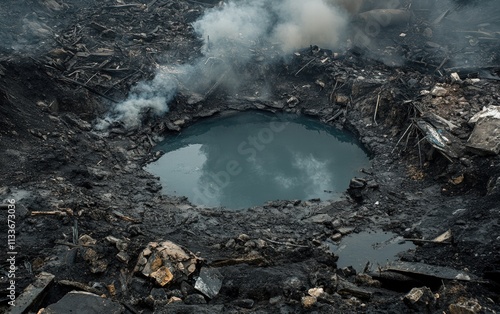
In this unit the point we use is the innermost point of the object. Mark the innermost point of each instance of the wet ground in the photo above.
(85, 209)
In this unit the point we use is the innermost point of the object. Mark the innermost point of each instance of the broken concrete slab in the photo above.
(83, 303)
(485, 138)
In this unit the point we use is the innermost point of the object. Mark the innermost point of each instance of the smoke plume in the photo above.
(292, 24)
(232, 35)
(152, 97)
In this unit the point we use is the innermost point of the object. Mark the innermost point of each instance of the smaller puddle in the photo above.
(377, 247)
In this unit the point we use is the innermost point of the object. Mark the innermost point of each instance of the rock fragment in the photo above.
(209, 282)
(166, 262)
(308, 301)
(420, 299)
(471, 306)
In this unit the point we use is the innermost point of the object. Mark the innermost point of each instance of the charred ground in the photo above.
(51, 92)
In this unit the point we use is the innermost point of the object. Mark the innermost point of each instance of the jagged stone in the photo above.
(420, 299)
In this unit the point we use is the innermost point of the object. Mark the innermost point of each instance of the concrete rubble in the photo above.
(166, 262)
(485, 138)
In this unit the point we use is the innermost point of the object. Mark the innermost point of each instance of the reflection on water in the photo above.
(376, 247)
(249, 158)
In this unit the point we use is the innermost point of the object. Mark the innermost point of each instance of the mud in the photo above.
(82, 182)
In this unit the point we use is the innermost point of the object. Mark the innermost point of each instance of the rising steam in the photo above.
(152, 97)
(292, 24)
(231, 33)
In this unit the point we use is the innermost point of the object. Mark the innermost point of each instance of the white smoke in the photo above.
(304, 23)
(152, 97)
(231, 34)
(243, 22)
(293, 24)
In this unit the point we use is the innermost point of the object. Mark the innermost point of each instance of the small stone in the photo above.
(336, 237)
(122, 256)
(146, 252)
(275, 300)
(142, 261)
(179, 122)
(292, 101)
(308, 301)
(345, 230)
(420, 299)
(162, 275)
(243, 237)
(86, 240)
(320, 218)
(316, 292)
(471, 306)
(439, 91)
(260, 243)
(455, 77)
(244, 303)
(230, 244)
(194, 299)
(341, 99)
(174, 300)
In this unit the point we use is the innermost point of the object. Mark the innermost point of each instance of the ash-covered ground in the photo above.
(87, 89)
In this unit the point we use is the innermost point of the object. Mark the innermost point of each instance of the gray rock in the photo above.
(357, 183)
(244, 303)
(420, 299)
(485, 139)
(275, 300)
(209, 282)
(243, 237)
(320, 218)
(84, 303)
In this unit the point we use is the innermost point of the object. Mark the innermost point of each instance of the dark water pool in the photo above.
(245, 159)
(376, 247)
